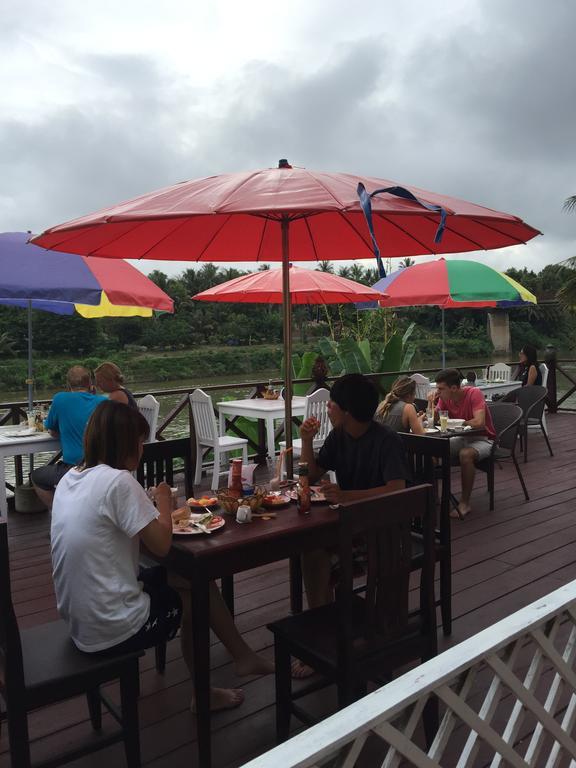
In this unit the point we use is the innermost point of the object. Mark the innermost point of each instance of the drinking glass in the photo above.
(443, 421)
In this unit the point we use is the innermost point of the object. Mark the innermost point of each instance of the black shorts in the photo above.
(164, 618)
(48, 476)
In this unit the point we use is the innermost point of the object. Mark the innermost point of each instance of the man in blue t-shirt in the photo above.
(67, 419)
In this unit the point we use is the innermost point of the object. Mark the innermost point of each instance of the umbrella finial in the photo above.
(283, 163)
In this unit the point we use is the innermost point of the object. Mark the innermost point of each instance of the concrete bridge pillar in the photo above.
(499, 330)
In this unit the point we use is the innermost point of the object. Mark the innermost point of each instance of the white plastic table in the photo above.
(259, 408)
(21, 446)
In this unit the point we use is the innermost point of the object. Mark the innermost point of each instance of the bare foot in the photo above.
(462, 511)
(299, 670)
(253, 664)
(222, 698)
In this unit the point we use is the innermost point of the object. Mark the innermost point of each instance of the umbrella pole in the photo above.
(30, 379)
(287, 323)
(443, 341)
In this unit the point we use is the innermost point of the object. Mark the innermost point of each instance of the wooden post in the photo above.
(550, 360)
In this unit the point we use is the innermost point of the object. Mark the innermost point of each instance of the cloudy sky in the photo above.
(102, 101)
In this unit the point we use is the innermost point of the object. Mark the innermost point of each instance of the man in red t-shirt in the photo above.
(466, 403)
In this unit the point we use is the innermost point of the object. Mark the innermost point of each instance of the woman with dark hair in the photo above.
(529, 370)
(397, 410)
(99, 518)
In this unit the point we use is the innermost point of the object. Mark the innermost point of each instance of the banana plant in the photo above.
(351, 356)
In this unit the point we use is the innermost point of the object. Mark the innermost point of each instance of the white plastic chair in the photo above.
(207, 436)
(315, 406)
(422, 385)
(543, 368)
(149, 407)
(499, 371)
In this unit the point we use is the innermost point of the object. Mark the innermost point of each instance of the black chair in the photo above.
(360, 639)
(158, 463)
(42, 666)
(506, 418)
(429, 461)
(532, 400)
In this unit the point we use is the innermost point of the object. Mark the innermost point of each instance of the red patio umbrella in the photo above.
(307, 286)
(285, 213)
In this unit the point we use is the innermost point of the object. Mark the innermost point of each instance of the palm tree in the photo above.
(407, 262)
(567, 294)
(325, 266)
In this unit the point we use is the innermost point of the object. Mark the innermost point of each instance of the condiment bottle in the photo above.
(303, 489)
(235, 487)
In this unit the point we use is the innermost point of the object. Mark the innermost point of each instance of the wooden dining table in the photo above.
(234, 548)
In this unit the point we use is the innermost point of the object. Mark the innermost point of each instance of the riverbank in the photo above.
(141, 368)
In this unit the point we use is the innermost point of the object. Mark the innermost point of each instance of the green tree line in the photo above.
(204, 325)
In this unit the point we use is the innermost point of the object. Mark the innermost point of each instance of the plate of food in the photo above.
(273, 500)
(431, 429)
(25, 432)
(316, 495)
(187, 523)
(202, 502)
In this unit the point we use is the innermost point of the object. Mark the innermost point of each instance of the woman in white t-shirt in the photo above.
(99, 517)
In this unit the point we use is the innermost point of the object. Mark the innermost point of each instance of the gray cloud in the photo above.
(483, 110)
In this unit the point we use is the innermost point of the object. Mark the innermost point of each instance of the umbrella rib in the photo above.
(325, 188)
(214, 236)
(261, 243)
(160, 240)
(383, 216)
(235, 190)
(494, 228)
(307, 225)
(357, 232)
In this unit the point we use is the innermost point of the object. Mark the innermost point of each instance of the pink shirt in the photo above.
(473, 400)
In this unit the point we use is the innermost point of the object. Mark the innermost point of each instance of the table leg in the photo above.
(200, 607)
(3, 499)
(270, 436)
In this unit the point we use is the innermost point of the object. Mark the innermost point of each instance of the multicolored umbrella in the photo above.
(452, 284)
(307, 286)
(65, 283)
(287, 214)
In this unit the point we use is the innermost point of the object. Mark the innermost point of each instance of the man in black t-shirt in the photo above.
(368, 459)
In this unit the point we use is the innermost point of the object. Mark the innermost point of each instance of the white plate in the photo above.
(23, 433)
(316, 498)
(217, 523)
(431, 429)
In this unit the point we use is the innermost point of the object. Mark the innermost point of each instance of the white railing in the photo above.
(507, 696)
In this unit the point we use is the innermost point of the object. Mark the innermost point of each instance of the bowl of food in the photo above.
(202, 501)
(228, 503)
(456, 424)
(271, 394)
(272, 500)
(255, 499)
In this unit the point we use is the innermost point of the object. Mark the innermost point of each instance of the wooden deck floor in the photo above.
(502, 561)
